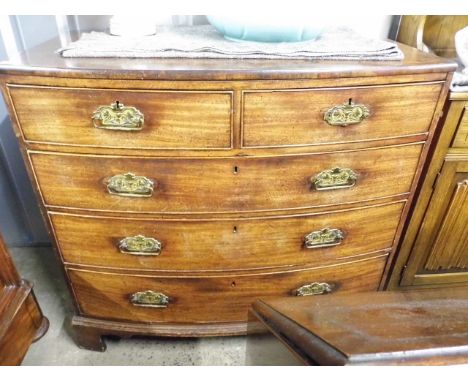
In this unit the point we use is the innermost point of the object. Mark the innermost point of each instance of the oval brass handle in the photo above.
(313, 289)
(149, 299)
(334, 178)
(140, 245)
(327, 237)
(346, 114)
(130, 185)
(117, 116)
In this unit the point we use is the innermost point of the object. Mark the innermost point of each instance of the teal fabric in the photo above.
(263, 32)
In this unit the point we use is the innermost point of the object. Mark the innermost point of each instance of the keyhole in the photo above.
(350, 101)
(234, 229)
(233, 284)
(235, 170)
(117, 104)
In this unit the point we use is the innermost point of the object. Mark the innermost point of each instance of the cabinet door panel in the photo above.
(461, 137)
(440, 253)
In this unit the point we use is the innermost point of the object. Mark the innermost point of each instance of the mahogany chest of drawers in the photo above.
(177, 192)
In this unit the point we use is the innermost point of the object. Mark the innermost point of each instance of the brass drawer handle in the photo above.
(149, 299)
(327, 237)
(130, 185)
(117, 116)
(346, 114)
(313, 289)
(334, 178)
(140, 246)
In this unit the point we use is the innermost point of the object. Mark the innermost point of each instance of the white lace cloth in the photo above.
(203, 41)
(460, 81)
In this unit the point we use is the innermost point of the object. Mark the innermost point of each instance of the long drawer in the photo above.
(225, 244)
(213, 185)
(337, 115)
(207, 299)
(137, 119)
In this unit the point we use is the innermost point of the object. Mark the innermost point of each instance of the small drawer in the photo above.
(242, 244)
(461, 136)
(124, 119)
(183, 299)
(215, 185)
(321, 116)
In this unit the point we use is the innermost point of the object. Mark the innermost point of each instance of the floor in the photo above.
(40, 266)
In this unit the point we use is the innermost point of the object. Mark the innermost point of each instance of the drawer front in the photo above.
(209, 299)
(291, 118)
(168, 120)
(224, 245)
(224, 185)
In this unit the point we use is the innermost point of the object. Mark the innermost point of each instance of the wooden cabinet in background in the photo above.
(435, 247)
(431, 32)
(21, 319)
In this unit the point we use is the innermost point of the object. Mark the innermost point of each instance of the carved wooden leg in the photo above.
(40, 322)
(42, 329)
(88, 337)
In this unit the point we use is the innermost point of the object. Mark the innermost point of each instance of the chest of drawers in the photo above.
(178, 192)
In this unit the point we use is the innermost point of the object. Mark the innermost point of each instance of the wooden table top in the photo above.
(42, 60)
(413, 327)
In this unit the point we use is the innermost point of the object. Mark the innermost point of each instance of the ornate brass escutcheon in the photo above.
(130, 185)
(117, 116)
(327, 237)
(140, 245)
(149, 299)
(334, 178)
(313, 289)
(346, 114)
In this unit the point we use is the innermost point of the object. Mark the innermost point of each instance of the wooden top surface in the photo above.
(43, 60)
(459, 96)
(373, 326)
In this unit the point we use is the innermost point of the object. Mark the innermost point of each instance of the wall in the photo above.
(20, 220)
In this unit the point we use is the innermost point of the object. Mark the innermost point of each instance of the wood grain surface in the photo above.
(460, 139)
(21, 319)
(434, 251)
(291, 118)
(172, 119)
(209, 299)
(385, 328)
(440, 252)
(231, 146)
(233, 185)
(224, 244)
(42, 61)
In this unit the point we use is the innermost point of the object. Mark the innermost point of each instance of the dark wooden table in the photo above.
(21, 319)
(425, 327)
